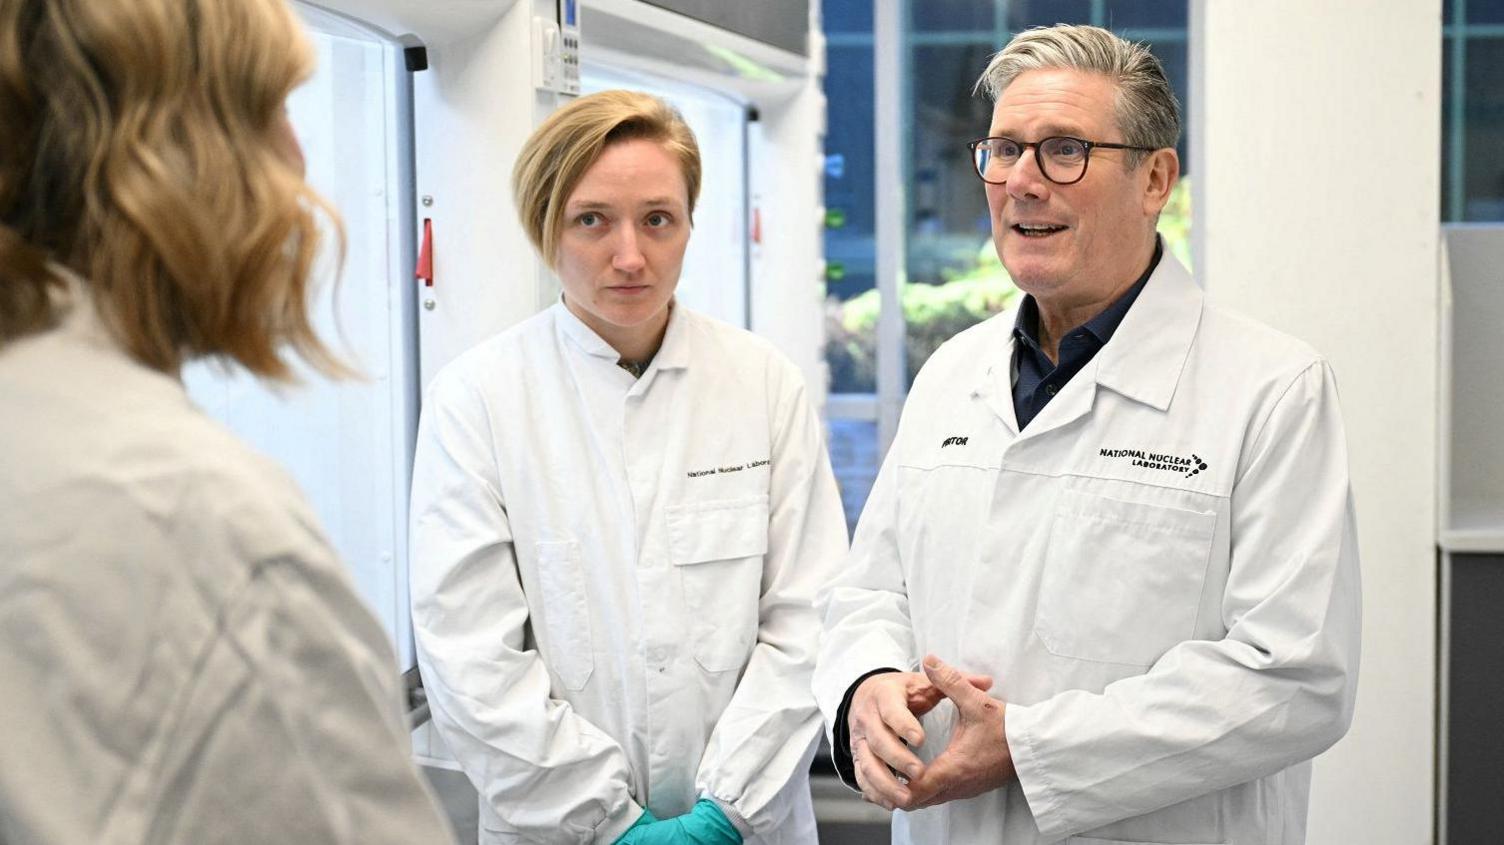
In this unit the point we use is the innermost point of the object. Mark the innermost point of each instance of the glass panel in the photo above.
(850, 199)
(1483, 137)
(1484, 11)
(849, 171)
(850, 252)
(347, 443)
(1449, 167)
(951, 15)
(1023, 14)
(1123, 14)
(954, 278)
(847, 16)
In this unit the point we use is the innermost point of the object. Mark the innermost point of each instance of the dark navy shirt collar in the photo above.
(1102, 326)
(1036, 379)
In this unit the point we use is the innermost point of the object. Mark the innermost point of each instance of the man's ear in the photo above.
(1162, 169)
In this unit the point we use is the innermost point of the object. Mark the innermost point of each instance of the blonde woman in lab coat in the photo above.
(622, 511)
(184, 659)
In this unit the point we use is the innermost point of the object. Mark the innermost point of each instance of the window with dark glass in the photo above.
(1472, 111)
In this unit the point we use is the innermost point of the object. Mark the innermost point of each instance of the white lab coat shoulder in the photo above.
(223, 681)
(1272, 368)
(501, 364)
(296, 673)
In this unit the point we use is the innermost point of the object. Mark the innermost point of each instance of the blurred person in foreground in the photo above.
(184, 657)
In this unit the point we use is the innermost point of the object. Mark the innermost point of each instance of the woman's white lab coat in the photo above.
(183, 657)
(613, 579)
(1160, 572)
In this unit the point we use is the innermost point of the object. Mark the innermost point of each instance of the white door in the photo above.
(348, 443)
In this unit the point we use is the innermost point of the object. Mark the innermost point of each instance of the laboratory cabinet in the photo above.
(1470, 624)
(1473, 733)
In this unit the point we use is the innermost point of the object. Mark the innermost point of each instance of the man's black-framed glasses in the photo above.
(1061, 158)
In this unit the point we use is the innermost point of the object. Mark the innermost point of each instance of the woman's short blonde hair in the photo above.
(141, 151)
(558, 153)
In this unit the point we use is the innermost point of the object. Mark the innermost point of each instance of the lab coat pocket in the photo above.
(718, 548)
(567, 645)
(1122, 580)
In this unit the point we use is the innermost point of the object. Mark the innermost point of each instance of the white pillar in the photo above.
(1316, 163)
(788, 293)
(888, 50)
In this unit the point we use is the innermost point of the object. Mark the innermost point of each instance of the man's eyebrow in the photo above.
(1049, 130)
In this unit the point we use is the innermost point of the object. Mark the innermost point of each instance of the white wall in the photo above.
(474, 107)
(1316, 150)
(788, 290)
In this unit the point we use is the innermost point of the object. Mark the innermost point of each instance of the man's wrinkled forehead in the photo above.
(1056, 101)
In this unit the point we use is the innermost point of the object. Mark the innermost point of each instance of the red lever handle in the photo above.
(425, 255)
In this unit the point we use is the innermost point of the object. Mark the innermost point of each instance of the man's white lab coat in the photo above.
(1160, 572)
(613, 579)
(184, 658)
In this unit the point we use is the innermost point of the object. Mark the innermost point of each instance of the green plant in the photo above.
(1175, 222)
(933, 313)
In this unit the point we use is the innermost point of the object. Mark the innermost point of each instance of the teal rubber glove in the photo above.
(705, 824)
(643, 822)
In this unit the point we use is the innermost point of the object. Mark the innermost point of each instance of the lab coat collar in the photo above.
(81, 318)
(1143, 360)
(995, 379)
(673, 353)
(583, 336)
(73, 300)
(82, 323)
(1147, 354)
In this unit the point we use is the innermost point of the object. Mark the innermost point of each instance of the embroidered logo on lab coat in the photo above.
(1160, 461)
(700, 473)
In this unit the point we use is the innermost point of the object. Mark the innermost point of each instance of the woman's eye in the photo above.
(658, 219)
(589, 218)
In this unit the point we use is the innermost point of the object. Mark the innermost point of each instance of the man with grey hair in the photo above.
(1120, 513)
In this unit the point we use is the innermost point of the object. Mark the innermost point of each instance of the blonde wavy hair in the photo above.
(141, 151)
(555, 157)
